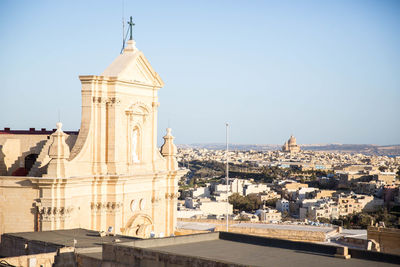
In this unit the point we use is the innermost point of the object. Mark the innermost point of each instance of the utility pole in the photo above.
(227, 179)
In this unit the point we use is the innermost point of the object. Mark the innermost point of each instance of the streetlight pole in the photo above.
(227, 179)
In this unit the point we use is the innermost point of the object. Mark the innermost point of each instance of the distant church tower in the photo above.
(113, 175)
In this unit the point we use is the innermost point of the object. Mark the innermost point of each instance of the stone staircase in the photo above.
(40, 166)
(33, 150)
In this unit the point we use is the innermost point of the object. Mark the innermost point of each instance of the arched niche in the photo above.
(136, 145)
(137, 114)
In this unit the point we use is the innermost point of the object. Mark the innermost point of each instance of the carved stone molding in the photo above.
(54, 213)
(172, 195)
(156, 199)
(138, 109)
(98, 100)
(113, 101)
(106, 206)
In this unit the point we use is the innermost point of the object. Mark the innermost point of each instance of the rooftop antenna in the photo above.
(227, 178)
(123, 25)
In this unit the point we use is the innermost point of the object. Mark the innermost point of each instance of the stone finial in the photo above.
(59, 149)
(130, 46)
(59, 126)
(169, 150)
(59, 153)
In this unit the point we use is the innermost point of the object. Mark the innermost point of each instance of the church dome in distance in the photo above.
(292, 140)
(291, 145)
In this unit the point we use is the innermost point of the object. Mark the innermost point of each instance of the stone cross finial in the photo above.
(131, 24)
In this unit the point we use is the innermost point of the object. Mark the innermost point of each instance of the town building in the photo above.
(269, 215)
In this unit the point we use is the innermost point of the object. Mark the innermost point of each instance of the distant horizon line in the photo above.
(314, 144)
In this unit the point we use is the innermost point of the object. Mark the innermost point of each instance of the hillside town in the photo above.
(291, 185)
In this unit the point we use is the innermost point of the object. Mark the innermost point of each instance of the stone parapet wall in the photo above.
(294, 235)
(11, 246)
(387, 238)
(44, 259)
(143, 255)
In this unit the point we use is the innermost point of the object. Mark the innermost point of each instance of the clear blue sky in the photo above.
(326, 71)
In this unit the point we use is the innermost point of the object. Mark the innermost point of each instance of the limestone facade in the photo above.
(110, 176)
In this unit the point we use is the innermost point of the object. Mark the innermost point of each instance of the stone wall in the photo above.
(295, 235)
(17, 211)
(387, 238)
(16, 246)
(43, 259)
(140, 253)
(134, 256)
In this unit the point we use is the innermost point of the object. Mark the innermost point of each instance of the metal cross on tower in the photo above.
(131, 24)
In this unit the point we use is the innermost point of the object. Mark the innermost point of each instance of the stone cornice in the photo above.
(43, 181)
(87, 79)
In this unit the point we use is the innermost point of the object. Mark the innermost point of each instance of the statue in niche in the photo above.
(135, 157)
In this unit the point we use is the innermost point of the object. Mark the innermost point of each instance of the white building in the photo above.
(209, 207)
(301, 193)
(200, 192)
(237, 185)
(255, 189)
(282, 205)
(221, 187)
(269, 215)
(189, 213)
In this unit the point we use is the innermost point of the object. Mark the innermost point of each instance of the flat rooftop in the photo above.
(244, 250)
(256, 255)
(220, 248)
(84, 238)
